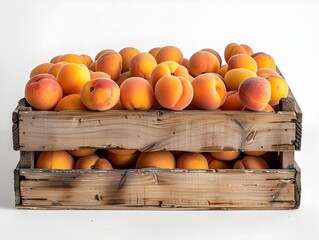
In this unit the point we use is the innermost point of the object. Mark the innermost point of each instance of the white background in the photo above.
(34, 31)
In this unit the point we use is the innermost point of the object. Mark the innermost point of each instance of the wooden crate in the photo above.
(191, 130)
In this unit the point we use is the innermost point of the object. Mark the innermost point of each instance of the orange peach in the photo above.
(234, 48)
(266, 72)
(54, 70)
(226, 155)
(203, 62)
(209, 157)
(72, 58)
(192, 161)
(219, 164)
(98, 55)
(100, 94)
(223, 70)
(242, 61)
(70, 102)
(185, 63)
(42, 68)
(110, 62)
(215, 53)
(122, 160)
(169, 53)
(55, 160)
(55, 59)
(92, 66)
(72, 77)
(167, 68)
(102, 164)
(142, 65)
(250, 162)
(136, 93)
(93, 161)
(248, 49)
(159, 159)
(255, 153)
(123, 77)
(96, 75)
(234, 77)
(154, 51)
(279, 89)
(43, 92)
(123, 152)
(174, 93)
(264, 60)
(255, 93)
(232, 101)
(127, 54)
(209, 91)
(87, 60)
(268, 108)
(82, 152)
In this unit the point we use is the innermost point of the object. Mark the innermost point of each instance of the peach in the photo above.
(110, 62)
(55, 160)
(167, 68)
(123, 152)
(43, 92)
(234, 48)
(192, 161)
(96, 75)
(92, 66)
(159, 159)
(72, 58)
(174, 93)
(279, 89)
(122, 160)
(42, 68)
(209, 157)
(87, 60)
(215, 53)
(268, 108)
(203, 62)
(123, 77)
(127, 54)
(209, 91)
(98, 55)
(223, 70)
(136, 93)
(100, 94)
(232, 101)
(93, 161)
(185, 63)
(248, 49)
(264, 60)
(55, 59)
(142, 65)
(169, 53)
(250, 162)
(226, 155)
(82, 152)
(234, 77)
(266, 72)
(72, 77)
(102, 164)
(242, 61)
(255, 93)
(255, 153)
(219, 164)
(70, 102)
(154, 51)
(54, 70)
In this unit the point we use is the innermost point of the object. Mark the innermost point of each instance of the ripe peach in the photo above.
(82, 152)
(55, 160)
(92, 66)
(123, 77)
(100, 94)
(55, 59)
(209, 91)
(54, 70)
(266, 72)
(212, 51)
(159, 159)
(169, 53)
(209, 157)
(72, 77)
(142, 65)
(192, 161)
(234, 48)
(255, 93)
(268, 108)
(223, 70)
(232, 101)
(167, 68)
(96, 75)
(72, 58)
(185, 63)
(242, 61)
(255, 153)
(234, 77)
(70, 102)
(219, 164)
(102, 164)
(203, 62)
(264, 60)
(136, 93)
(250, 162)
(43, 92)
(154, 51)
(92, 162)
(279, 89)
(98, 55)
(122, 160)
(174, 93)
(42, 68)
(226, 155)
(87, 60)
(110, 62)
(127, 54)
(248, 49)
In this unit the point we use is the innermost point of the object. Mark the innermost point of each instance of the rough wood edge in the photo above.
(287, 159)
(297, 186)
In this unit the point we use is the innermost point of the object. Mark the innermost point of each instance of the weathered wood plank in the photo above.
(157, 130)
(287, 159)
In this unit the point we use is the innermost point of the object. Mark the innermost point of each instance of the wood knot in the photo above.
(250, 137)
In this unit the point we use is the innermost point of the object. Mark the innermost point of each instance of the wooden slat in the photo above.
(287, 159)
(156, 130)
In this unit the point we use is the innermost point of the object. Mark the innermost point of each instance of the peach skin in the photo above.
(226, 155)
(70, 102)
(203, 62)
(279, 89)
(142, 65)
(264, 60)
(215, 53)
(169, 53)
(42, 68)
(250, 162)
(110, 62)
(192, 161)
(232, 101)
(159, 159)
(234, 77)
(127, 54)
(55, 160)
(242, 61)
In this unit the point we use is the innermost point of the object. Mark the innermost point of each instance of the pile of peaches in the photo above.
(159, 79)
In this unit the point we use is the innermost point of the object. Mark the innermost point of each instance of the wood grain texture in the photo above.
(158, 189)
